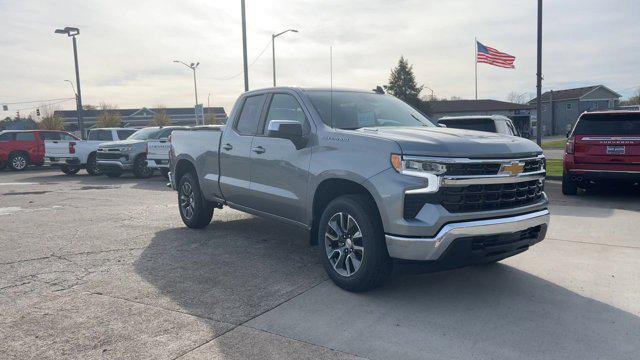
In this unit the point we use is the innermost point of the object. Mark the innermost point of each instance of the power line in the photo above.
(47, 104)
(34, 101)
(251, 64)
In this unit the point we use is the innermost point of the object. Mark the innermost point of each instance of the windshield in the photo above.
(145, 134)
(353, 110)
(608, 124)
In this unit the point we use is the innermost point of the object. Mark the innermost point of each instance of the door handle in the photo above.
(258, 149)
(227, 146)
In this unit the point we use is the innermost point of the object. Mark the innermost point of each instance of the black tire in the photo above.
(92, 166)
(165, 173)
(375, 263)
(140, 168)
(196, 212)
(70, 170)
(18, 161)
(569, 187)
(113, 174)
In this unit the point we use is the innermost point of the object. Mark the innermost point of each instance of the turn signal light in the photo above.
(396, 162)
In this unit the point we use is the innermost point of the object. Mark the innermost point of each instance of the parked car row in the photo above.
(109, 151)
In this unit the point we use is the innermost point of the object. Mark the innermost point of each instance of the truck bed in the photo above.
(201, 145)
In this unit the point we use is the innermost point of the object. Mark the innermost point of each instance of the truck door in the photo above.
(279, 171)
(235, 151)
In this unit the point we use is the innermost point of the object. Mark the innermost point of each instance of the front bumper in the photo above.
(432, 248)
(158, 163)
(113, 165)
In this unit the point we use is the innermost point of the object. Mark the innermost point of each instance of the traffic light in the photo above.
(5, 107)
(37, 112)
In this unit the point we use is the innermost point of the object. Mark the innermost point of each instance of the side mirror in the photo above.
(287, 129)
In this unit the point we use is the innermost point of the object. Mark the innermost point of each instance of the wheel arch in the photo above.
(182, 167)
(330, 189)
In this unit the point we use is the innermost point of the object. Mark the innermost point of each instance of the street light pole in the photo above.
(244, 47)
(539, 79)
(72, 32)
(273, 51)
(193, 67)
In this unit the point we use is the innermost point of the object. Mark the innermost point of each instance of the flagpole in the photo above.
(475, 61)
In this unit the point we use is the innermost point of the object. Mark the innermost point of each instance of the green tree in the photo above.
(109, 117)
(51, 122)
(402, 84)
(161, 118)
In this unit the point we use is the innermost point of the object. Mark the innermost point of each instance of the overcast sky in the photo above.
(126, 48)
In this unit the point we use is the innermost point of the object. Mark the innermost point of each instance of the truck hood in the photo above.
(112, 144)
(444, 142)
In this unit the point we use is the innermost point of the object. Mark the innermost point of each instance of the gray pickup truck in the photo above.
(372, 179)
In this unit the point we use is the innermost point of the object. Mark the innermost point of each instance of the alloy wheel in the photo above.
(187, 200)
(19, 162)
(343, 244)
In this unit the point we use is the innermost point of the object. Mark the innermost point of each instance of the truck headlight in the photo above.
(416, 167)
(426, 169)
(126, 149)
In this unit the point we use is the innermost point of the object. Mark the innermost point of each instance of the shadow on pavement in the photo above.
(232, 270)
(155, 182)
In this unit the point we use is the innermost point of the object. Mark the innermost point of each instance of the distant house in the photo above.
(139, 117)
(520, 114)
(561, 108)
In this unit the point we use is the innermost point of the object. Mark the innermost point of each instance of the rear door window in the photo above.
(6, 137)
(46, 135)
(608, 124)
(471, 124)
(25, 136)
(247, 123)
(100, 135)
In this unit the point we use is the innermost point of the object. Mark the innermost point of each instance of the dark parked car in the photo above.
(493, 123)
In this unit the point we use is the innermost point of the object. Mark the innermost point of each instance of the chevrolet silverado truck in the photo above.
(130, 155)
(371, 178)
(70, 155)
(158, 154)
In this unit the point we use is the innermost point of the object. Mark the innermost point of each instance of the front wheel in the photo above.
(92, 165)
(196, 212)
(140, 168)
(70, 170)
(352, 245)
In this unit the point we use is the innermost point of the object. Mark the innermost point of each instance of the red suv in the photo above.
(603, 146)
(20, 148)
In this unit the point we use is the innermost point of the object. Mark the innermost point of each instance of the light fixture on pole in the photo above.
(273, 50)
(192, 66)
(72, 33)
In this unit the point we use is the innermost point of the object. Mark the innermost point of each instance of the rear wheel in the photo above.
(92, 165)
(70, 170)
(18, 161)
(196, 212)
(140, 168)
(569, 187)
(352, 242)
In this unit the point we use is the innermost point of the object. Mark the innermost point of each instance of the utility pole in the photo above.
(72, 32)
(244, 48)
(539, 78)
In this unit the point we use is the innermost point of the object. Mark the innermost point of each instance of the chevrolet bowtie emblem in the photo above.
(512, 169)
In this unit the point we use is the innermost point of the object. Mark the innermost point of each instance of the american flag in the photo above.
(491, 56)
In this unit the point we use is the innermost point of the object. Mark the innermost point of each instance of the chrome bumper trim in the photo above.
(431, 248)
(492, 179)
(112, 163)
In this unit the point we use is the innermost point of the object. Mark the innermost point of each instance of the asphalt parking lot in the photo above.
(92, 267)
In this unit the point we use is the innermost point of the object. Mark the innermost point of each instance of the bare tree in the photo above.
(161, 118)
(633, 99)
(50, 121)
(110, 117)
(517, 98)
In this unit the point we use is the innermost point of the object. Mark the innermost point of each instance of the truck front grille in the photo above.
(108, 156)
(477, 197)
(470, 169)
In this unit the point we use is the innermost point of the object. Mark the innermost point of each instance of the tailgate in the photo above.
(158, 149)
(612, 149)
(56, 148)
